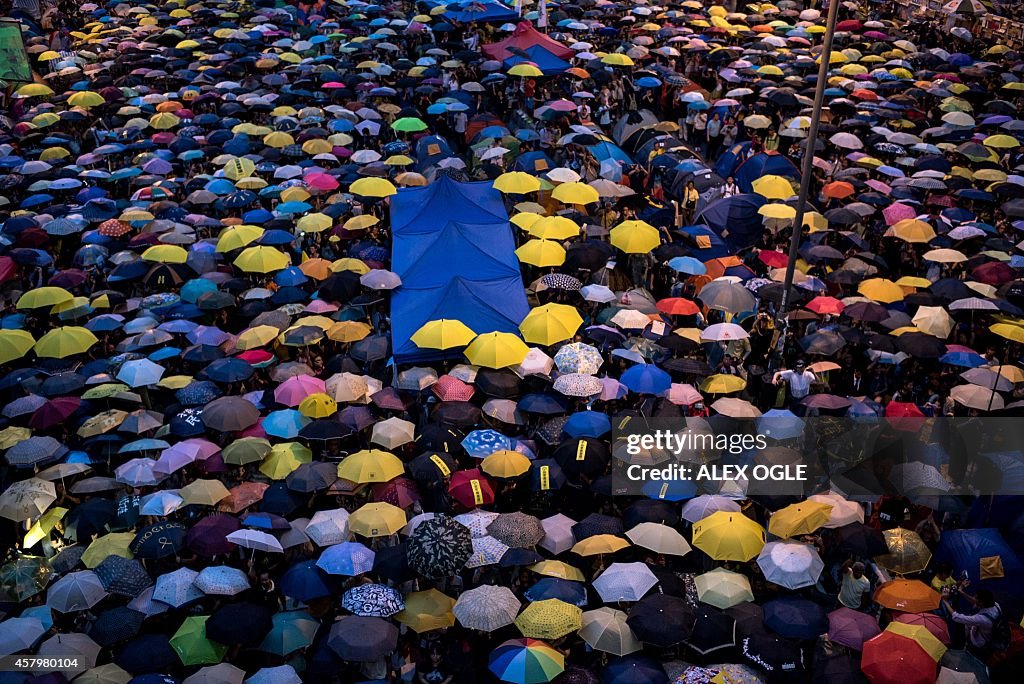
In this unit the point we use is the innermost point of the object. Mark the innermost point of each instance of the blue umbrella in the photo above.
(587, 424)
(669, 490)
(646, 378)
(556, 588)
(285, 423)
(304, 582)
(780, 424)
(290, 276)
(795, 618)
(689, 265)
(347, 558)
(647, 82)
(193, 289)
(228, 370)
(481, 443)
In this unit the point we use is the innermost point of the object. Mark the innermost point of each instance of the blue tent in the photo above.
(431, 149)
(731, 159)
(533, 162)
(454, 251)
(764, 164)
(709, 244)
(478, 10)
(609, 150)
(548, 63)
(735, 219)
(965, 551)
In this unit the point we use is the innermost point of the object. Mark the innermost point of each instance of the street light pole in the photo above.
(808, 164)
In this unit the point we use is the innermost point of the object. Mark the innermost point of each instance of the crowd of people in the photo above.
(227, 455)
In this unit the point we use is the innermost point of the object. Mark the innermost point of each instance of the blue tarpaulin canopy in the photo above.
(735, 219)
(981, 554)
(454, 251)
(548, 63)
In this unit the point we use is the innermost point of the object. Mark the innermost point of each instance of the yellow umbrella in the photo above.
(913, 281)
(799, 518)
(922, 636)
(560, 569)
(505, 463)
(599, 544)
(617, 59)
(427, 610)
(550, 227)
(881, 290)
(725, 535)
(773, 187)
(525, 70)
(527, 219)
(48, 296)
(541, 253)
(238, 237)
(10, 436)
(722, 384)
(14, 344)
(317, 146)
(1009, 331)
(496, 350)
(41, 529)
(86, 99)
(1011, 373)
(371, 465)
(361, 222)
(550, 323)
(203, 492)
(261, 260)
(1001, 141)
(549, 619)
(314, 223)
(779, 212)
(238, 168)
(65, 341)
(284, 458)
(350, 264)
(913, 230)
(278, 140)
(166, 254)
(443, 334)
(349, 331)
(372, 187)
(163, 121)
(378, 519)
(318, 405)
(575, 193)
(113, 544)
(259, 336)
(35, 90)
(635, 237)
(516, 183)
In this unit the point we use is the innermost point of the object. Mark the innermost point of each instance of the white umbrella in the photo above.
(221, 580)
(605, 629)
(625, 582)
(723, 588)
(328, 527)
(598, 293)
(557, 534)
(486, 551)
(476, 521)
(843, 512)
(27, 499)
(790, 564)
(282, 674)
(255, 540)
(700, 507)
(720, 332)
(221, 673)
(393, 433)
(177, 588)
(77, 591)
(486, 608)
(659, 538)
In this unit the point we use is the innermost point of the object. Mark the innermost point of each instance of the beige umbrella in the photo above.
(843, 512)
(221, 673)
(981, 398)
(630, 319)
(104, 674)
(736, 408)
(907, 552)
(346, 387)
(27, 499)
(945, 256)
(102, 422)
(723, 588)
(605, 629)
(659, 538)
(393, 433)
(933, 320)
(204, 492)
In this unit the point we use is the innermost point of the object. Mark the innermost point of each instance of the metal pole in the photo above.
(808, 163)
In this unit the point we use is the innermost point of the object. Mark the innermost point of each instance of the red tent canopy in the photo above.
(525, 36)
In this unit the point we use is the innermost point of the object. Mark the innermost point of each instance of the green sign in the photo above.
(14, 64)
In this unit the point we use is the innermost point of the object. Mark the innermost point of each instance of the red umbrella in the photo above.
(890, 658)
(994, 273)
(772, 259)
(930, 621)
(449, 388)
(677, 306)
(471, 488)
(851, 628)
(902, 409)
(850, 25)
(8, 268)
(825, 305)
(54, 412)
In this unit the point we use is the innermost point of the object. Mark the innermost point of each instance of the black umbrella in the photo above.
(116, 625)
(921, 345)
(439, 547)
(837, 668)
(661, 620)
(311, 477)
(392, 562)
(634, 670)
(89, 518)
(712, 630)
(148, 653)
(432, 466)
(123, 576)
(595, 524)
(772, 653)
(583, 456)
(239, 623)
(159, 541)
(795, 618)
(361, 639)
(230, 414)
(860, 540)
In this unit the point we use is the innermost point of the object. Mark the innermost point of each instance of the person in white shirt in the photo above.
(799, 380)
(730, 188)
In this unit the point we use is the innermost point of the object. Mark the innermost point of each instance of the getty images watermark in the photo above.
(933, 461)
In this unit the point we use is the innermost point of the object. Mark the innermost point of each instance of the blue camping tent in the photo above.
(430, 150)
(764, 164)
(454, 252)
(709, 244)
(735, 219)
(535, 162)
(967, 550)
(609, 150)
(731, 159)
(478, 10)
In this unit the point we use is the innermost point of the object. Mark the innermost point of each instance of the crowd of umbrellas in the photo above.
(215, 470)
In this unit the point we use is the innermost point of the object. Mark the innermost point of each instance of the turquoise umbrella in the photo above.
(291, 631)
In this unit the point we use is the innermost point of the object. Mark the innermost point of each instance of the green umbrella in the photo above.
(291, 631)
(192, 646)
(409, 124)
(23, 578)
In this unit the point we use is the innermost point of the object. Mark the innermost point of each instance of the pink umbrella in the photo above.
(878, 186)
(930, 621)
(894, 213)
(851, 628)
(201, 449)
(681, 394)
(292, 391)
(321, 182)
(319, 306)
(562, 105)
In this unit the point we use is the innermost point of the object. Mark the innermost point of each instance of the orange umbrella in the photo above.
(908, 596)
(837, 190)
(242, 496)
(716, 267)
